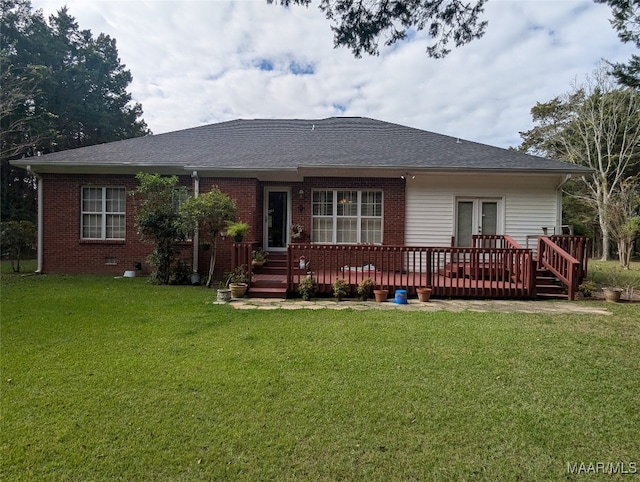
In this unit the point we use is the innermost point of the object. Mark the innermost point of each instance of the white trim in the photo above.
(103, 213)
(358, 216)
(40, 253)
(196, 231)
(478, 201)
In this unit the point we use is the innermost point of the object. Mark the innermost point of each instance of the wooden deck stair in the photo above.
(270, 281)
(548, 286)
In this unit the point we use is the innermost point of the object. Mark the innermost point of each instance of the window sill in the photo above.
(102, 241)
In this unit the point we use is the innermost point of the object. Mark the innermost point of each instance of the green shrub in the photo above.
(340, 288)
(306, 288)
(365, 288)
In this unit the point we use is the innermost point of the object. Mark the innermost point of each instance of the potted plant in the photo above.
(365, 288)
(340, 289)
(223, 294)
(238, 281)
(612, 291)
(237, 230)
(306, 288)
(424, 294)
(381, 294)
(612, 294)
(259, 258)
(296, 231)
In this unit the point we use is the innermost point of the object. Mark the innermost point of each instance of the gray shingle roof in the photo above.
(291, 144)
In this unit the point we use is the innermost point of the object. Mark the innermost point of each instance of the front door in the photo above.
(477, 216)
(276, 218)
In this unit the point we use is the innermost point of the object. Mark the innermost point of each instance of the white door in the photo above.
(477, 216)
(277, 219)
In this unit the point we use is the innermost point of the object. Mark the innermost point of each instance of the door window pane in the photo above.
(490, 217)
(465, 223)
(278, 219)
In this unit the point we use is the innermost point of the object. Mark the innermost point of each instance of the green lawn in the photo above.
(117, 379)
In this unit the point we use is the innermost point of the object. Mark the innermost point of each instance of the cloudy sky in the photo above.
(207, 61)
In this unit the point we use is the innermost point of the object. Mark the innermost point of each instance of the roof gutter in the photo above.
(39, 251)
(196, 231)
(565, 179)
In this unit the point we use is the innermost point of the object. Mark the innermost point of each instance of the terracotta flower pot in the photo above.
(424, 294)
(381, 295)
(238, 290)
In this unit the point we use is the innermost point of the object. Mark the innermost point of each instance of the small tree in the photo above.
(210, 212)
(158, 220)
(623, 219)
(18, 237)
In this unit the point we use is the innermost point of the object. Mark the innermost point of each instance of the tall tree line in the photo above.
(61, 88)
(597, 124)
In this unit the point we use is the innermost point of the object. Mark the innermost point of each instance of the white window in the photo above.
(347, 217)
(103, 212)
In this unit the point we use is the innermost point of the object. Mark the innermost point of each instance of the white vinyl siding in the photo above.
(529, 203)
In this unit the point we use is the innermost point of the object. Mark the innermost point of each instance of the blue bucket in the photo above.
(401, 297)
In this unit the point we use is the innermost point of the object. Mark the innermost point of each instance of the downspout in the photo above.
(565, 179)
(39, 252)
(196, 243)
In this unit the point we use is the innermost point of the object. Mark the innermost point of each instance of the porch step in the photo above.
(276, 263)
(552, 296)
(267, 292)
(548, 286)
(270, 280)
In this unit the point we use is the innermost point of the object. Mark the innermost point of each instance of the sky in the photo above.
(197, 62)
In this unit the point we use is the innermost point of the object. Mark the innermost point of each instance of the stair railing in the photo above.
(563, 266)
(576, 246)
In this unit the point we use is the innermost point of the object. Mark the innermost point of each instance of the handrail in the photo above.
(564, 266)
(576, 246)
(494, 241)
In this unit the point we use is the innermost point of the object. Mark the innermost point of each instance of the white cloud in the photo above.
(198, 62)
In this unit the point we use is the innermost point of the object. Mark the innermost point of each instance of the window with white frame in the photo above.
(346, 216)
(103, 212)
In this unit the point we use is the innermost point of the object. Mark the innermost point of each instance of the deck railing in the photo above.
(576, 246)
(494, 241)
(558, 261)
(242, 255)
(450, 271)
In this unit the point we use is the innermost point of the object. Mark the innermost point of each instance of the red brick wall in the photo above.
(248, 196)
(65, 252)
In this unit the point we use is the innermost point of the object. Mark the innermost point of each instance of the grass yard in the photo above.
(117, 379)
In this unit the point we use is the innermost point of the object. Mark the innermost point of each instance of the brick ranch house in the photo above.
(402, 205)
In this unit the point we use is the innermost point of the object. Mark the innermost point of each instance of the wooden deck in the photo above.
(496, 267)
